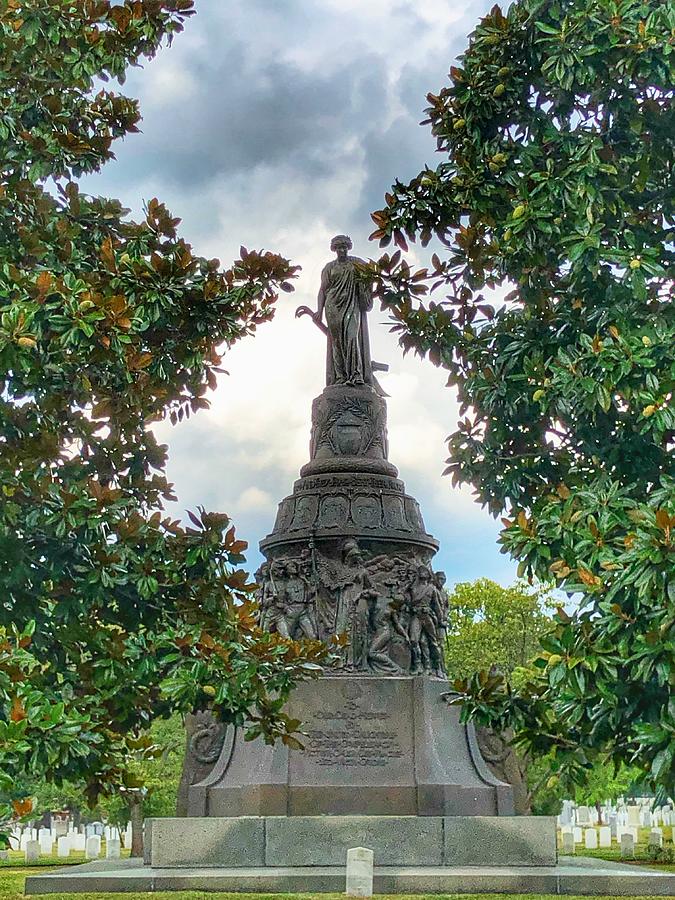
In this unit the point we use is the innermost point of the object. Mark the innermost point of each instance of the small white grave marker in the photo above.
(568, 845)
(63, 846)
(578, 834)
(32, 851)
(78, 842)
(359, 872)
(583, 815)
(634, 816)
(605, 836)
(591, 839)
(656, 838)
(113, 848)
(627, 845)
(93, 849)
(46, 843)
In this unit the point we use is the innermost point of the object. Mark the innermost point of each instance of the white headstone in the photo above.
(46, 843)
(591, 839)
(78, 842)
(627, 845)
(583, 815)
(567, 814)
(4, 854)
(578, 834)
(93, 849)
(113, 848)
(127, 836)
(568, 845)
(605, 836)
(32, 851)
(359, 872)
(633, 816)
(655, 838)
(63, 846)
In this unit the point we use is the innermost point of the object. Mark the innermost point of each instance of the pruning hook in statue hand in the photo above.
(306, 311)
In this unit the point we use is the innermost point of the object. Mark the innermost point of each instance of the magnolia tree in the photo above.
(111, 613)
(554, 206)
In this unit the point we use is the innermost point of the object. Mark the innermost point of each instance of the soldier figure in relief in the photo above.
(296, 618)
(271, 577)
(425, 651)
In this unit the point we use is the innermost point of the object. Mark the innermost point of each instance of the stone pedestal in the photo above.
(349, 555)
(374, 745)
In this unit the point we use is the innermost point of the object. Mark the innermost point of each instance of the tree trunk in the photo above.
(598, 806)
(136, 811)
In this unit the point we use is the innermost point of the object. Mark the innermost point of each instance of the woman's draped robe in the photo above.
(347, 300)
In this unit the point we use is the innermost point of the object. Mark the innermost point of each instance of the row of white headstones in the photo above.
(639, 814)
(592, 838)
(41, 842)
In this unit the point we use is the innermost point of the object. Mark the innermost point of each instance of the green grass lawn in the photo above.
(613, 853)
(12, 881)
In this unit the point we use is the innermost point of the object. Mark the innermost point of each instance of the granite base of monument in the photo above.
(318, 841)
(575, 876)
(373, 746)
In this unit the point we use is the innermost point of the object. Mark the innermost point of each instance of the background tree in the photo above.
(490, 625)
(111, 614)
(554, 200)
(493, 628)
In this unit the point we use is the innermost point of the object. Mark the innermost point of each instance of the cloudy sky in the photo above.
(277, 124)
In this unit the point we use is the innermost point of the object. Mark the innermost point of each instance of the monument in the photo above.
(387, 765)
(349, 559)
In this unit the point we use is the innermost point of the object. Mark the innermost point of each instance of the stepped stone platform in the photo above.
(571, 876)
(315, 841)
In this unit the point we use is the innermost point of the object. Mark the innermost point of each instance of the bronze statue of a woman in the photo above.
(344, 298)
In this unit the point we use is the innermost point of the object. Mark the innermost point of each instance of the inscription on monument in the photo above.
(351, 736)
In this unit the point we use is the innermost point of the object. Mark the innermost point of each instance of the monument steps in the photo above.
(572, 876)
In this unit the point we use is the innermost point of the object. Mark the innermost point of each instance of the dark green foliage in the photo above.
(555, 202)
(111, 614)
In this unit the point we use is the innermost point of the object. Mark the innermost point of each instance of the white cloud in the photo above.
(278, 125)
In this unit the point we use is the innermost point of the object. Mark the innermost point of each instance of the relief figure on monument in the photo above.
(394, 513)
(297, 619)
(351, 614)
(425, 626)
(286, 600)
(305, 513)
(385, 624)
(269, 578)
(334, 511)
(366, 511)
